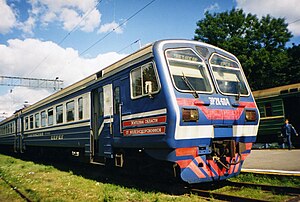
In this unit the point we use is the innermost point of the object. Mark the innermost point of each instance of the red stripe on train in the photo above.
(217, 114)
(145, 131)
(145, 121)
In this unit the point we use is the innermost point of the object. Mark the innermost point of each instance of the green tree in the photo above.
(293, 68)
(259, 44)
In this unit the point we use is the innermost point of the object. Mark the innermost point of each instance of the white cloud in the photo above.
(38, 59)
(288, 9)
(108, 27)
(28, 26)
(212, 7)
(8, 19)
(70, 18)
(91, 22)
(69, 13)
(16, 98)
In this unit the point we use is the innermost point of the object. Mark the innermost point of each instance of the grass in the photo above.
(275, 180)
(261, 179)
(48, 183)
(7, 194)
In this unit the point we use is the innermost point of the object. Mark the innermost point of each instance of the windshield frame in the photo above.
(206, 70)
(239, 69)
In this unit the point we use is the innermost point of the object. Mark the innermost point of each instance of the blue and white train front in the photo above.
(212, 116)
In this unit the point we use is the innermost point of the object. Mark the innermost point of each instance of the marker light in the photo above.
(250, 115)
(190, 115)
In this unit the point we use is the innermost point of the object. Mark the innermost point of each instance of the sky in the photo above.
(72, 39)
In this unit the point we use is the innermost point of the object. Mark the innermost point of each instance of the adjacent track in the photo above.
(223, 197)
(208, 193)
(16, 190)
(272, 188)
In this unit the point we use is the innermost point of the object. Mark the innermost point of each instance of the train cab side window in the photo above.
(59, 114)
(50, 117)
(70, 111)
(80, 108)
(143, 81)
(117, 100)
(136, 82)
(26, 123)
(268, 109)
(31, 121)
(43, 118)
(37, 120)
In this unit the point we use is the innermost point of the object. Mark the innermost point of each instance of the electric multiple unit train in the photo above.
(181, 103)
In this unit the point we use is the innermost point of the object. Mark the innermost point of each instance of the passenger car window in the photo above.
(43, 118)
(80, 108)
(70, 111)
(31, 121)
(50, 117)
(26, 123)
(59, 114)
(37, 120)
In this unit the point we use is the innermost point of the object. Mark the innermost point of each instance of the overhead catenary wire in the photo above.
(67, 35)
(101, 39)
(131, 45)
(120, 25)
(294, 21)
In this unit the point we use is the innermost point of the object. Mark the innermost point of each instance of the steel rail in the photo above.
(223, 197)
(273, 188)
(16, 190)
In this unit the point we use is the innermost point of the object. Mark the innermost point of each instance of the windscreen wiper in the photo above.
(191, 87)
(238, 89)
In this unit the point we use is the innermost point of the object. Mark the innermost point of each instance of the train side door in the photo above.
(118, 104)
(18, 143)
(102, 123)
(16, 136)
(96, 121)
(106, 130)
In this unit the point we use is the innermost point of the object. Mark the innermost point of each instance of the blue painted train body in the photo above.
(178, 101)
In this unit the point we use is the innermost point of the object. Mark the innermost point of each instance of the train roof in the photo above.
(143, 53)
(4, 121)
(90, 79)
(271, 92)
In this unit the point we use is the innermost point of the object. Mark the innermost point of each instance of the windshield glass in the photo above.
(228, 76)
(188, 70)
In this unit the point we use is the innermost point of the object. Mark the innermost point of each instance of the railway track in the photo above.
(209, 191)
(282, 190)
(16, 190)
(274, 189)
(223, 197)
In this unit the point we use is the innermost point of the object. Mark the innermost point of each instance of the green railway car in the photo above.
(275, 105)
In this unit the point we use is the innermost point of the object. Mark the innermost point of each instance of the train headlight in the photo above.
(190, 115)
(250, 115)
